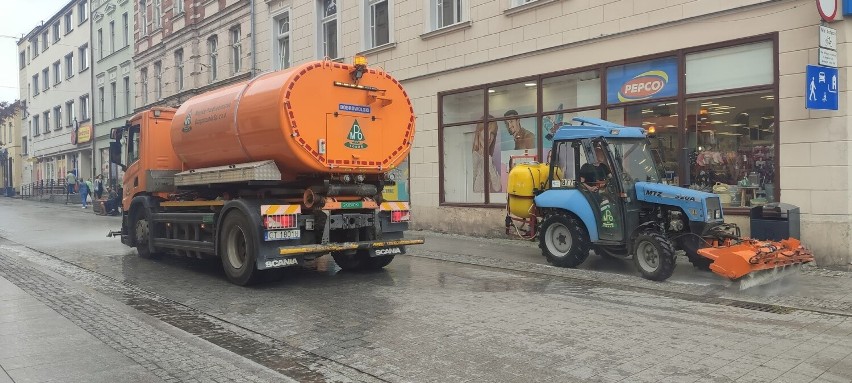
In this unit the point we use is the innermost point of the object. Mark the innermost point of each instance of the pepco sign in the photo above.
(643, 86)
(642, 81)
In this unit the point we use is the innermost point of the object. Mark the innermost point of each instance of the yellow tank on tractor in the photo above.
(601, 191)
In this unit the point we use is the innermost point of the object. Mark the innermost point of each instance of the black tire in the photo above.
(690, 245)
(654, 256)
(563, 240)
(238, 249)
(377, 263)
(350, 261)
(142, 235)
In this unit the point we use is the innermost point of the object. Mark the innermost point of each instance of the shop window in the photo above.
(730, 139)
(468, 155)
(573, 91)
(552, 122)
(516, 136)
(660, 119)
(519, 98)
(728, 68)
(463, 107)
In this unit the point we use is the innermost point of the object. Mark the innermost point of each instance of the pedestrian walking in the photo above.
(70, 181)
(84, 193)
(99, 187)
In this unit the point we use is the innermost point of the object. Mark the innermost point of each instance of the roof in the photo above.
(595, 127)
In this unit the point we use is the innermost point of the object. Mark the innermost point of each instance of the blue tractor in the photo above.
(601, 191)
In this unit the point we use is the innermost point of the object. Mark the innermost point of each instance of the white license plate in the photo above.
(278, 235)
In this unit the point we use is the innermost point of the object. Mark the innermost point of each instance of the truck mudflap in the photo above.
(375, 244)
(295, 255)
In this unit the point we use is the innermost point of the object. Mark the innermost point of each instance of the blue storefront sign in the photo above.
(847, 7)
(821, 85)
(646, 80)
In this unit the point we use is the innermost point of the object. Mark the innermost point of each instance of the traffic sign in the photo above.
(827, 9)
(827, 37)
(821, 87)
(827, 57)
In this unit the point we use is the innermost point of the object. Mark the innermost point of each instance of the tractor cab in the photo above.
(604, 162)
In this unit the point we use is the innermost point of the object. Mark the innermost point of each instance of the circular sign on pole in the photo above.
(827, 9)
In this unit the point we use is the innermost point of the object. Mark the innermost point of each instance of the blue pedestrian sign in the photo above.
(821, 87)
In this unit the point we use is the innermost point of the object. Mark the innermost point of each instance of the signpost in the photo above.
(821, 88)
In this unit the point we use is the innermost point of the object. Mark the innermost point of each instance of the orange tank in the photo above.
(312, 118)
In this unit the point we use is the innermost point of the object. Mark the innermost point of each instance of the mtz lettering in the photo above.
(653, 193)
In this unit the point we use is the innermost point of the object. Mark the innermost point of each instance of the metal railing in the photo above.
(43, 188)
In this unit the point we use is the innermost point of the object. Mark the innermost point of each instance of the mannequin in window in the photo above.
(484, 143)
(595, 175)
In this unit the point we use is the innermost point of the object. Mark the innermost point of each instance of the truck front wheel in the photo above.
(238, 250)
(142, 235)
(563, 240)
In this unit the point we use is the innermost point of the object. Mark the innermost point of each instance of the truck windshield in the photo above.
(634, 155)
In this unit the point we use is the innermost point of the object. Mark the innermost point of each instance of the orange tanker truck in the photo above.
(272, 172)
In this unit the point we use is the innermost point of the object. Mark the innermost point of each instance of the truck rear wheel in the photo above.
(563, 240)
(654, 256)
(377, 263)
(238, 249)
(348, 261)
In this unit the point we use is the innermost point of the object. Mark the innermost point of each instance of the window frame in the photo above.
(57, 72)
(69, 105)
(84, 57)
(158, 80)
(69, 24)
(213, 58)
(178, 54)
(369, 23)
(278, 36)
(143, 80)
(235, 35)
(69, 65)
(322, 21)
(83, 11)
(143, 17)
(84, 107)
(57, 117)
(436, 18)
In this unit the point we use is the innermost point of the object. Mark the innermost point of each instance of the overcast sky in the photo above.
(17, 18)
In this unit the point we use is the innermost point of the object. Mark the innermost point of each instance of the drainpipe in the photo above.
(253, 48)
(94, 136)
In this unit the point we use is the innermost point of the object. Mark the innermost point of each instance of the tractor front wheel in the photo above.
(690, 245)
(563, 240)
(654, 256)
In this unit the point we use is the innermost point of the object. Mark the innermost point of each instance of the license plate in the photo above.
(278, 235)
(351, 205)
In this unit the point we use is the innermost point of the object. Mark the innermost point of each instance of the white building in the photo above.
(57, 72)
(112, 44)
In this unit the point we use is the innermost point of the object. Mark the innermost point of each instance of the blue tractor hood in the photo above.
(699, 206)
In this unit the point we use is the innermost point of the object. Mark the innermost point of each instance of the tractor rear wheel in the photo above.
(654, 256)
(563, 240)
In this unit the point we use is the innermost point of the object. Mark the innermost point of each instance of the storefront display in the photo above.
(710, 115)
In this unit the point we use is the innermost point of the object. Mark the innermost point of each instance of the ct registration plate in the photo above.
(278, 235)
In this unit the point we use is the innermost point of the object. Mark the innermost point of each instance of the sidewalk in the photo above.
(40, 345)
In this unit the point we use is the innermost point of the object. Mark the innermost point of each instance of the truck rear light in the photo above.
(400, 216)
(284, 221)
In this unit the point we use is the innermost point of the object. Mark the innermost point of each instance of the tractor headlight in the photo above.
(718, 214)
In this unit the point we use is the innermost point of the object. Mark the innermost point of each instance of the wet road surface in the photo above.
(456, 310)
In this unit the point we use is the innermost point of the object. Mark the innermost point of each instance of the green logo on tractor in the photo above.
(355, 139)
(606, 215)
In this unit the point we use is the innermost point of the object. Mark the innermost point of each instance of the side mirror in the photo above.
(115, 154)
(115, 133)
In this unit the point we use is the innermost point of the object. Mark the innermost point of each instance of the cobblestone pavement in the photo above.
(441, 315)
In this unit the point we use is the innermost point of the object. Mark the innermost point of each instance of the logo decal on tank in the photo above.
(186, 123)
(355, 139)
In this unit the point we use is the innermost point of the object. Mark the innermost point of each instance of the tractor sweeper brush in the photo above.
(753, 262)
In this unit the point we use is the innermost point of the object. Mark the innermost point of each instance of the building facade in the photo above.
(114, 90)
(11, 157)
(55, 62)
(183, 48)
